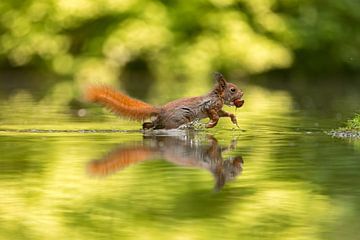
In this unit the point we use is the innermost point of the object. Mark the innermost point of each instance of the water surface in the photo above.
(277, 177)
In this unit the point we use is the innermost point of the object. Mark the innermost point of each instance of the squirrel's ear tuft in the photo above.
(220, 79)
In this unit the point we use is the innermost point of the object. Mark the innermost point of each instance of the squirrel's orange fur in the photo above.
(119, 103)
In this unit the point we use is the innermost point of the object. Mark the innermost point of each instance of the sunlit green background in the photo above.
(298, 63)
(162, 46)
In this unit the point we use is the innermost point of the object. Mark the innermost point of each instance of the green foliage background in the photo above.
(98, 39)
(160, 50)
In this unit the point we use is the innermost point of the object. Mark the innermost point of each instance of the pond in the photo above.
(278, 176)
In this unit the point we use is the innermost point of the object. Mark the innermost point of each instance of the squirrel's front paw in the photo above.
(211, 124)
(233, 119)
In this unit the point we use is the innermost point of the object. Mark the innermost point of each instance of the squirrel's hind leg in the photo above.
(148, 125)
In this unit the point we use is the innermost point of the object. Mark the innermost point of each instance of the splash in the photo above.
(194, 125)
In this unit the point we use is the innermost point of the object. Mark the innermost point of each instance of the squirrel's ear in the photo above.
(220, 79)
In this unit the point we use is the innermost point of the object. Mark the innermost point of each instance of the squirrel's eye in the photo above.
(232, 89)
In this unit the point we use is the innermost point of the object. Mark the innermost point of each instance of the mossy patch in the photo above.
(354, 124)
(351, 129)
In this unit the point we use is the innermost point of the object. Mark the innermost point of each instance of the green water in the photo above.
(277, 177)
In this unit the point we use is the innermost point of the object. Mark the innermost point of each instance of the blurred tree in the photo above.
(327, 40)
(95, 40)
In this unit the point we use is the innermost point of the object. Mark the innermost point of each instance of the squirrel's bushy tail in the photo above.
(119, 103)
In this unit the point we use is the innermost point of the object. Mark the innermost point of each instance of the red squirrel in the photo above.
(175, 113)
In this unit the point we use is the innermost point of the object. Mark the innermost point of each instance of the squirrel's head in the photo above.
(231, 94)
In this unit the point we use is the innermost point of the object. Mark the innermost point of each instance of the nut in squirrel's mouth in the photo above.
(238, 102)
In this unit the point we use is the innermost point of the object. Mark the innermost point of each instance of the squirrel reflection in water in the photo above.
(184, 150)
